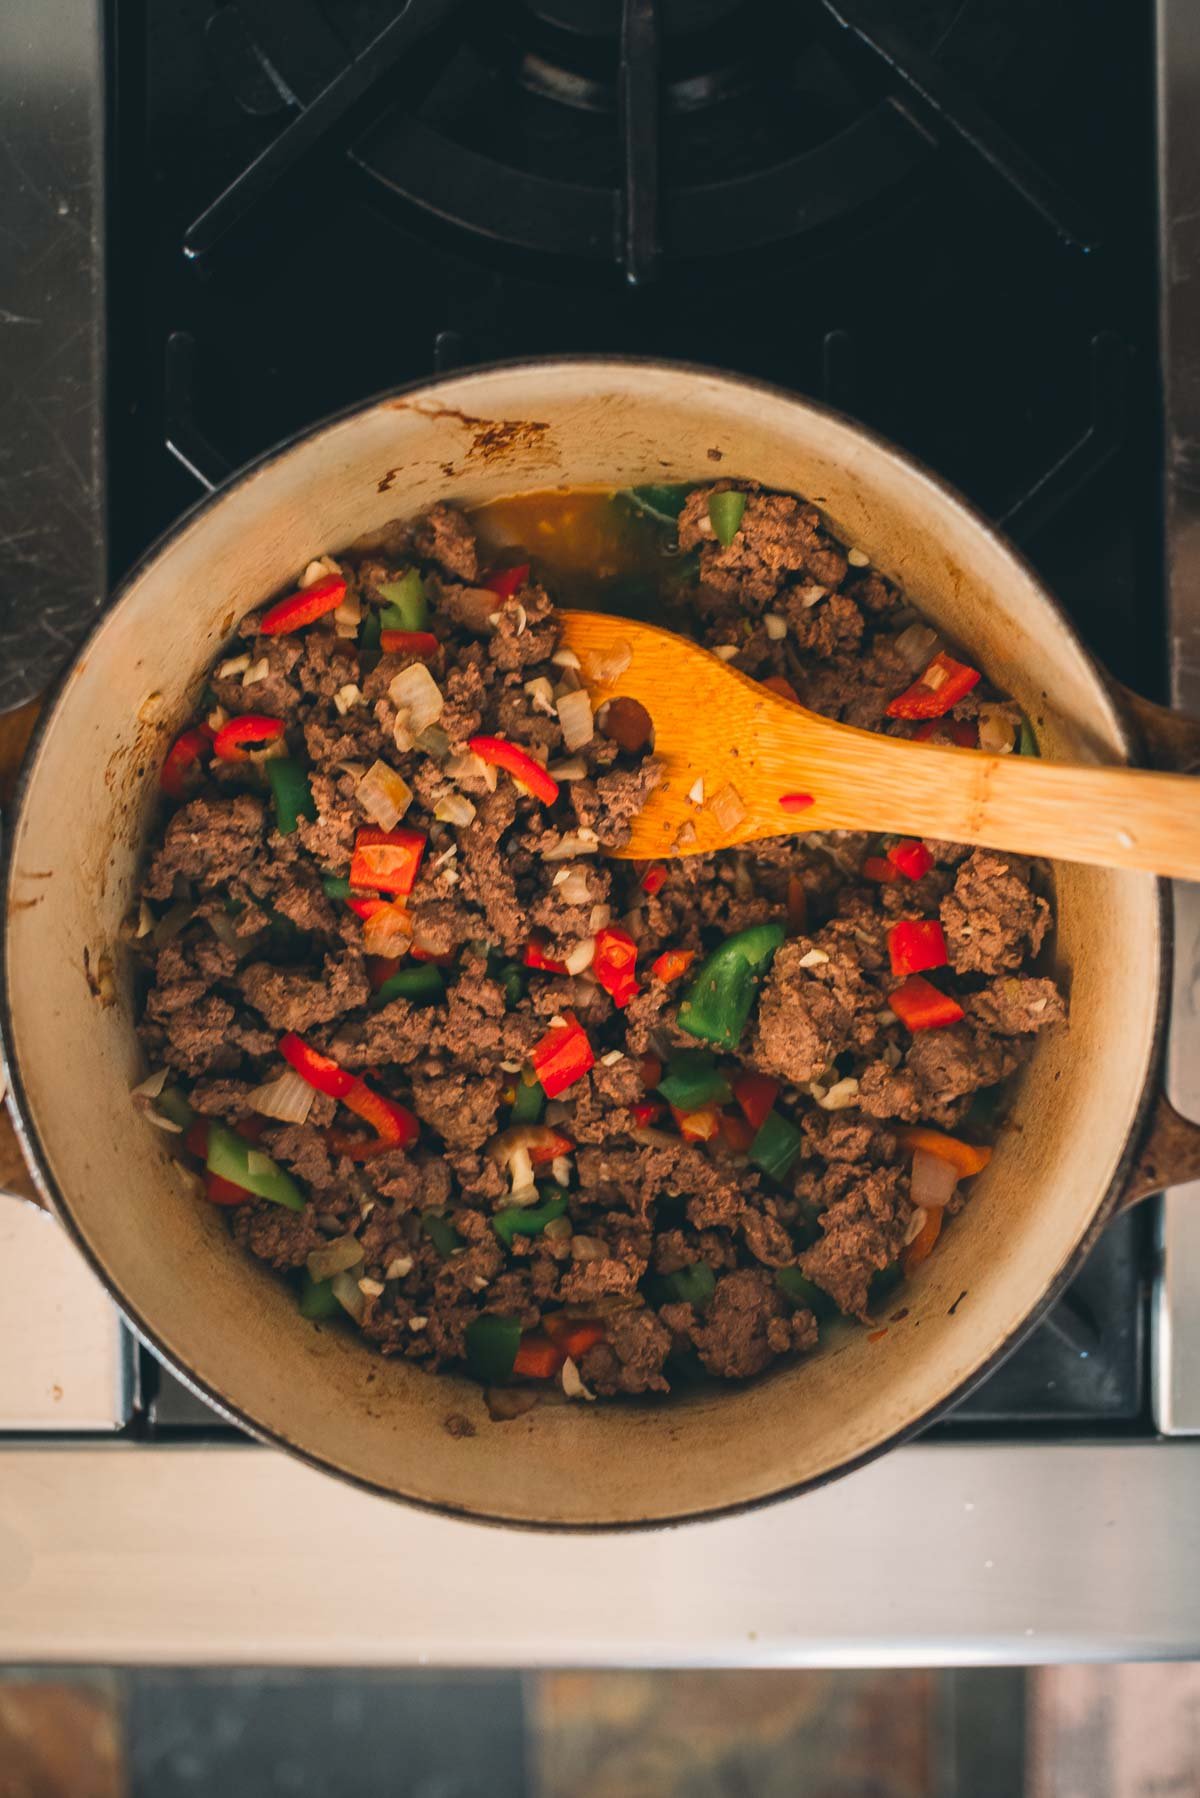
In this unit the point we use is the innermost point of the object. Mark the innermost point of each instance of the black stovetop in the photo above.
(936, 214)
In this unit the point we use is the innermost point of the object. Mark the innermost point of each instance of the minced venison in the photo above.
(283, 955)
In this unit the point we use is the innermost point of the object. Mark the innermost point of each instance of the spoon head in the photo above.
(713, 730)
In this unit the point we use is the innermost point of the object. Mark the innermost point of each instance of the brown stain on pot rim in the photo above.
(492, 439)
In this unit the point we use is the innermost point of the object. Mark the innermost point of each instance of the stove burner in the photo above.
(470, 113)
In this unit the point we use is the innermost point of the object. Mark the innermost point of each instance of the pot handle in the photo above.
(1170, 740)
(16, 1182)
(1169, 1155)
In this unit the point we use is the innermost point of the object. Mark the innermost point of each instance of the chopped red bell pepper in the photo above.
(755, 1093)
(527, 772)
(304, 607)
(563, 1056)
(919, 1005)
(613, 964)
(320, 1071)
(939, 688)
(574, 1335)
(386, 860)
(535, 956)
(736, 1133)
(671, 964)
(646, 1112)
(962, 733)
(796, 802)
(700, 1125)
(394, 1125)
(777, 684)
(915, 945)
(253, 730)
(877, 867)
(219, 1191)
(366, 908)
(654, 878)
(409, 643)
(545, 1144)
(911, 857)
(507, 581)
(538, 1358)
(183, 755)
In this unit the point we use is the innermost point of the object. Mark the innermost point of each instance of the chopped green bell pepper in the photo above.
(529, 1100)
(336, 886)
(173, 1105)
(407, 608)
(693, 1285)
(725, 514)
(492, 1344)
(441, 1233)
(291, 792)
(1027, 743)
(717, 1004)
(693, 1079)
(512, 980)
(801, 1291)
(776, 1145)
(663, 501)
(316, 1297)
(368, 636)
(233, 1158)
(527, 1220)
(420, 986)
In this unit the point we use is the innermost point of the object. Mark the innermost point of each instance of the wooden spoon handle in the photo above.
(1114, 817)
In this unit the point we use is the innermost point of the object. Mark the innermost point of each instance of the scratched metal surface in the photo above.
(52, 524)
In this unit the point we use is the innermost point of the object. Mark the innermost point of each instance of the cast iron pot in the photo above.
(1079, 1142)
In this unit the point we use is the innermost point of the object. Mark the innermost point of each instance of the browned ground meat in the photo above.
(680, 1251)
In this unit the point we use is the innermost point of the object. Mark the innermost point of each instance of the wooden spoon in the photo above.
(742, 762)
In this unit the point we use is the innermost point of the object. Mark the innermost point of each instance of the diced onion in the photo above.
(775, 626)
(572, 1382)
(933, 1180)
(726, 807)
(916, 645)
(814, 959)
(398, 1267)
(317, 570)
(454, 808)
(373, 1289)
(575, 716)
(601, 917)
(696, 790)
(388, 932)
(565, 658)
(348, 616)
(996, 730)
(470, 766)
(257, 671)
(725, 652)
(354, 769)
(335, 1257)
(418, 701)
(345, 1290)
(574, 768)
(173, 921)
(574, 886)
(573, 842)
(858, 558)
(560, 1167)
(235, 665)
(611, 1057)
(151, 1086)
(809, 596)
(384, 795)
(916, 1224)
(542, 695)
(581, 956)
(347, 697)
(289, 1099)
(434, 741)
(685, 836)
(840, 1096)
(523, 1195)
(146, 920)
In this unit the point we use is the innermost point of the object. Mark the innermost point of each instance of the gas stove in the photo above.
(937, 215)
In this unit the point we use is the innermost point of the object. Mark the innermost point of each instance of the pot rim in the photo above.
(272, 1435)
